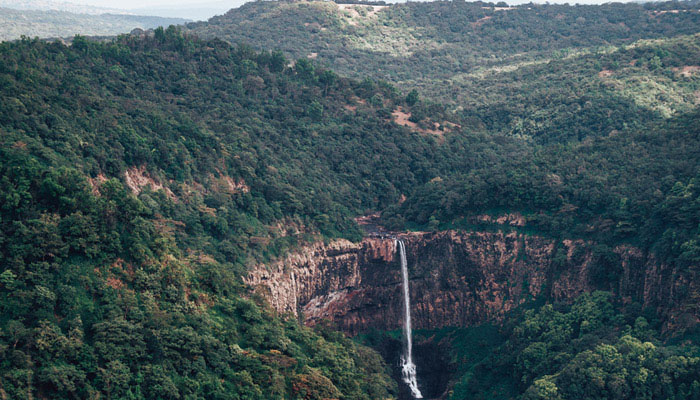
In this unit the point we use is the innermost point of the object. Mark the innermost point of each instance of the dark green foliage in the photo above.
(95, 302)
(141, 174)
(412, 97)
(611, 189)
(589, 350)
(113, 289)
(566, 115)
(551, 73)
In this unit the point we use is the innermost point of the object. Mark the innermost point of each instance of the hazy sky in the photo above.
(153, 3)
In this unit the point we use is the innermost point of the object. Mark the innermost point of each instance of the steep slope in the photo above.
(436, 40)
(126, 217)
(461, 279)
(505, 315)
(553, 73)
(142, 177)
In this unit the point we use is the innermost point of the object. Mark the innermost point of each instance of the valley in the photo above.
(458, 279)
(222, 209)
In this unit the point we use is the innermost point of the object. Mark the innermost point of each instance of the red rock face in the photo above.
(456, 279)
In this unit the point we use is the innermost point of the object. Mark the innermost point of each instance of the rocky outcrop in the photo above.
(339, 281)
(457, 279)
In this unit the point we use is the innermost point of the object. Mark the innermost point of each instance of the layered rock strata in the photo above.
(458, 279)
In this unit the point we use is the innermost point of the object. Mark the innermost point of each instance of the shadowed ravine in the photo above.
(457, 279)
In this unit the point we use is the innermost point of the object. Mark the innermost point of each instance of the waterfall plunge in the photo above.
(408, 368)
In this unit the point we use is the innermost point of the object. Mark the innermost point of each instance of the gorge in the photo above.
(310, 201)
(459, 278)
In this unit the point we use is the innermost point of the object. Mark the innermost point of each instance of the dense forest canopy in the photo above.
(600, 85)
(546, 72)
(142, 174)
(111, 286)
(591, 349)
(434, 45)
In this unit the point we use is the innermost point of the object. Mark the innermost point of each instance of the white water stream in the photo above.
(408, 368)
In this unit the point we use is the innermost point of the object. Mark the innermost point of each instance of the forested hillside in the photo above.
(436, 40)
(586, 116)
(431, 42)
(141, 176)
(550, 72)
(130, 205)
(591, 349)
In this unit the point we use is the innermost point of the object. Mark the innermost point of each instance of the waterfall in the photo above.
(408, 368)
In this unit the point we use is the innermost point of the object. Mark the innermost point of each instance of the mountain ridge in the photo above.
(63, 24)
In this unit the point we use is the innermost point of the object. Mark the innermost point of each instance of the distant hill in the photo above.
(408, 41)
(198, 11)
(54, 24)
(53, 5)
(524, 70)
(143, 176)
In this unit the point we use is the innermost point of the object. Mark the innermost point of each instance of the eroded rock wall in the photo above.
(457, 279)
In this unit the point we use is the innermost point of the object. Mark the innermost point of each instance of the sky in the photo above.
(146, 3)
(126, 4)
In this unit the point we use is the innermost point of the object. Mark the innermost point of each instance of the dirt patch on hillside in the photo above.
(115, 283)
(656, 13)
(402, 117)
(352, 9)
(353, 102)
(355, 12)
(235, 186)
(229, 184)
(687, 71)
(605, 73)
(96, 182)
(481, 21)
(138, 178)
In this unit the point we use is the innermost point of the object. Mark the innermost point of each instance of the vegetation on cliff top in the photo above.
(141, 174)
(590, 112)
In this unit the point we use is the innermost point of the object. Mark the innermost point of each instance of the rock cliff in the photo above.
(458, 279)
